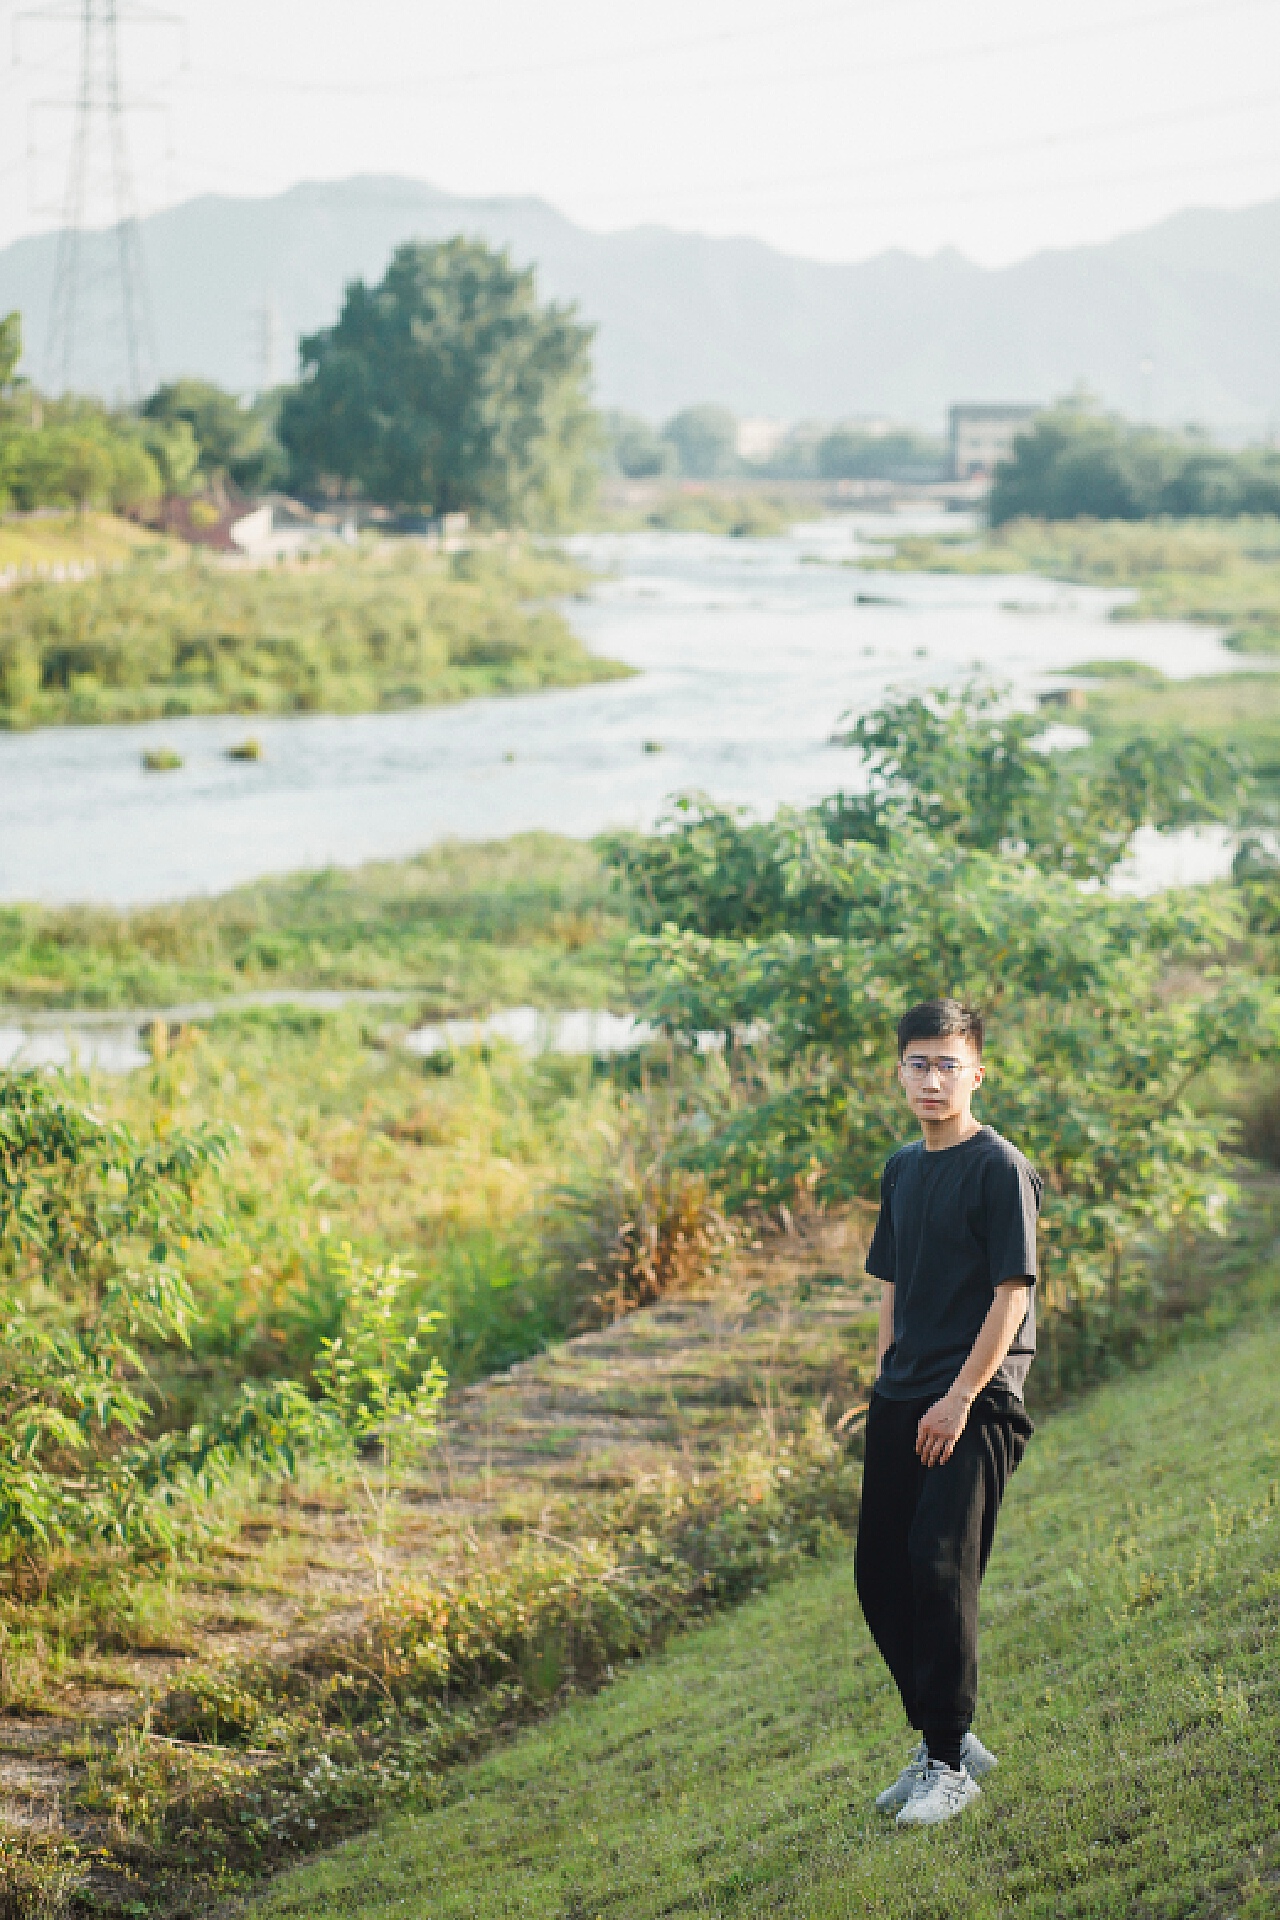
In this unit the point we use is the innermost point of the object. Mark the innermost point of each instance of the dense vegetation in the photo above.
(235, 440)
(448, 387)
(379, 629)
(258, 1257)
(75, 452)
(801, 939)
(1073, 463)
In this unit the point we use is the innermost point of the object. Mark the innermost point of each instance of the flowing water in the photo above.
(748, 652)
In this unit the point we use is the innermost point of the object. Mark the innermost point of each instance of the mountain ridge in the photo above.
(684, 317)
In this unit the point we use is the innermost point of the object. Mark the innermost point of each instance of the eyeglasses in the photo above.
(916, 1067)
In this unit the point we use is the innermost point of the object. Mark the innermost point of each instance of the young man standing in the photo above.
(955, 1250)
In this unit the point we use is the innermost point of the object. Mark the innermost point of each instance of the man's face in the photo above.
(940, 1077)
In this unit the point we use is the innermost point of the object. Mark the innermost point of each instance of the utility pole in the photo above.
(98, 179)
(268, 343)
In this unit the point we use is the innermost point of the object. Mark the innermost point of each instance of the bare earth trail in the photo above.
(788, 1325)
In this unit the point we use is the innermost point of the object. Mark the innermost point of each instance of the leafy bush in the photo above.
(963, 766)
(94, 1226)
(381, 1389)
(802, 943)
(95, 1229)
(960, 767)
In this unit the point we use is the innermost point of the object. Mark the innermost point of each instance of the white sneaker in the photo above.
(906, 1783)
(978, 1761)
(941, 1793)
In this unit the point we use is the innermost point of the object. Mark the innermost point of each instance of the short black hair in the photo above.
(938, 1020)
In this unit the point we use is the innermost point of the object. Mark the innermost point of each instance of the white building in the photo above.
(758, 439)
(982, 436)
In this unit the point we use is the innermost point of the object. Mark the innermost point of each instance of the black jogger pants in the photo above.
(924, 1538)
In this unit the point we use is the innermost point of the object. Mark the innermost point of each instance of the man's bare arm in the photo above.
(884, 1331)
(945, 1420)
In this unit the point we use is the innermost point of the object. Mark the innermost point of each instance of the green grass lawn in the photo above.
(1129, 1685)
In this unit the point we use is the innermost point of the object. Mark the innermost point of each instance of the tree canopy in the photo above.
(449, 386)
(10, 346)
(231, 439)
(705, 440)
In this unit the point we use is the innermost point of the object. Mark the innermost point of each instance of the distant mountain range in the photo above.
(687, 317)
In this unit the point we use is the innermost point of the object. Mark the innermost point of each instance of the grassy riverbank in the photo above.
(468, 926)
(396, 627)
(1226, 710)
(213, 1668)
(1129, 1688)
(708, 508)
(1223, 572)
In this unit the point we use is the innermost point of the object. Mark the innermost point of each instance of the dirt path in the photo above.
(786, 1326)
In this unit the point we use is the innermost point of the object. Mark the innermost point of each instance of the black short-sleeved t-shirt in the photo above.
(953, 1225)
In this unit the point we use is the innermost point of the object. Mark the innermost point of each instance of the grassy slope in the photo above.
(1130, 1685)
(472, 926)
(60, 539)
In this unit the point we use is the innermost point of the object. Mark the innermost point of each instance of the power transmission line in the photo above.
(1106, 27)
(773, 184)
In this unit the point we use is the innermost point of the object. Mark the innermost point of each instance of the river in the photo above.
(748, 652)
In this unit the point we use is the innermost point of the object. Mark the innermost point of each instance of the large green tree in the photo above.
(450, 386)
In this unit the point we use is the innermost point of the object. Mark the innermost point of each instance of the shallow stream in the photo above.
(748, 652)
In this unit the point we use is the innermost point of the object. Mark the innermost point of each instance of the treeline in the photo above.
(447, 387)
(1074, 463)
(711, 443)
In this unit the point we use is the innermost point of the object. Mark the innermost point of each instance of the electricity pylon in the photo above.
(99, 176)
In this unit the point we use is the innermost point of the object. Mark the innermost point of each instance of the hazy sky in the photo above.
(996, 126)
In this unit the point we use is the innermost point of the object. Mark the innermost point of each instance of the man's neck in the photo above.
(952, 1132)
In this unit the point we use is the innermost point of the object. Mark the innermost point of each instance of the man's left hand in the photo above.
(941, 1427)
